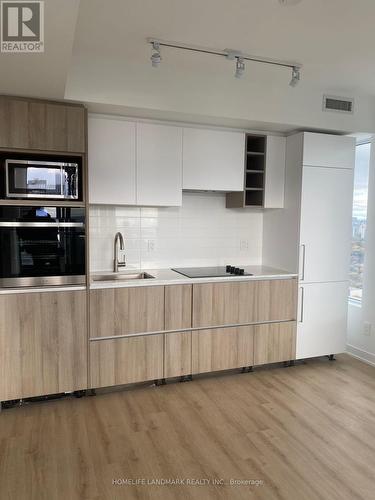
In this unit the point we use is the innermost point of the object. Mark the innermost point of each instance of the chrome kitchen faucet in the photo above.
(116, 263)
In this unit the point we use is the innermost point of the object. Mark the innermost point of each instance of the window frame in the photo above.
(353, 300)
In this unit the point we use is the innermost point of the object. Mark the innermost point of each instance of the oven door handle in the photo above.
(41, 224)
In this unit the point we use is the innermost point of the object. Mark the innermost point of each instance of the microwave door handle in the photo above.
(32, 224)
(62, 181)
(73, 184)
(6, 179)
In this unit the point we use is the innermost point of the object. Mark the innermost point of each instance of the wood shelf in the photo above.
(254, 175)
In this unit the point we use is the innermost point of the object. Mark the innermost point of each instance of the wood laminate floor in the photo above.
(305, 433)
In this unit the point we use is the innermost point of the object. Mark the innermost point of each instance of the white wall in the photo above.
(201, 232)
(359, 344)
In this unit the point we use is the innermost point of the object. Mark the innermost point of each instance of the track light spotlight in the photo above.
(296, 77)
(240, 68)
(156, 57)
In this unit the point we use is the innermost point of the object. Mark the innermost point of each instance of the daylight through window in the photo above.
(359, 220)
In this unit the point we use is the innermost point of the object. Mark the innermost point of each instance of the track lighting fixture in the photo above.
(156, 57)
(240, 68)
(229, 54)
(296, 77)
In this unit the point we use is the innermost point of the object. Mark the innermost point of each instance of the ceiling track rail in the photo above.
(230, 54)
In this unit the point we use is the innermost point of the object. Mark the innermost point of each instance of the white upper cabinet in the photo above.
(111, 161)
(275, 172)
(133, 163)
(213, 160)
(325, 229)
(159, 165)
(323, 150)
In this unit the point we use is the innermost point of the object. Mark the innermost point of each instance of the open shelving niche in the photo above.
(254, 175)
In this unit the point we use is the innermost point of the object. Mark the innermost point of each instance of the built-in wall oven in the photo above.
(42, 246)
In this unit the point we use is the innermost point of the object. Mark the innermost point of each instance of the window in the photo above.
(359, 219)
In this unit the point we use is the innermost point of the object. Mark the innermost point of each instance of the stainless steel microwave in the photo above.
(41, 179)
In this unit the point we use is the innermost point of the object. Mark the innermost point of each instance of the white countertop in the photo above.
(169, 277)
(160, 277)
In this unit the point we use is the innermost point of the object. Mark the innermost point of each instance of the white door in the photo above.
(322, 319)
(326, 150)
(159, 165)
(111, 161)
(213, 160)
(325, 231)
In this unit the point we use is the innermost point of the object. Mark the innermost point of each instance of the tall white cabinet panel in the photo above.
(322, 319)
(325, 231)
(275, 172)
(315, 229)
(111, 159)
(213, 160)
(159, 165)
(324, 150)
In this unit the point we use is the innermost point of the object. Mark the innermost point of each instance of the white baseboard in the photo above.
(366, 357)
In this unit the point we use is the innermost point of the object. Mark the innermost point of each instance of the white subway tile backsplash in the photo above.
(200, 233)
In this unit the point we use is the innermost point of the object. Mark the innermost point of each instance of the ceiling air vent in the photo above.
(340, 104)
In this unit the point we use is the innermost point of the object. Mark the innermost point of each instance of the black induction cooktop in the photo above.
(211, 272)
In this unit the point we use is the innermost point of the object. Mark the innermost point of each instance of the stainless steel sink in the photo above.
(121, 276)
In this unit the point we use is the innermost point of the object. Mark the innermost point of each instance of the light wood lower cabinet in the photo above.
(231, 303)
(177, 354)
(178, 306)
(126, 360)
(274, 342)
(222, 349)
(43, 343)
(123, 311)
(120, 311)
(177, 346)
(226, 348)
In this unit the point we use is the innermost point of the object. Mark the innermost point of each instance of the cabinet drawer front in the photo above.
(178, 306)
(177, 354)
(177, 346)
(126, 360)
(217, 304)
(120, 311)
(222, 349)
(274, 342)
(43, 343)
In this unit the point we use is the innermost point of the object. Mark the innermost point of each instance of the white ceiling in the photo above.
(334, 39)
(43, 75)
(109, 65)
